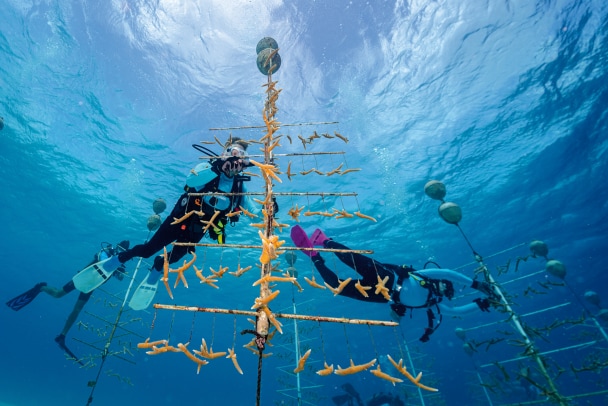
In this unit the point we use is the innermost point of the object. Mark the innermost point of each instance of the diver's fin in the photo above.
(301, 240)
(94, 275)
(60, 340)
(144, 294)
(19, 302)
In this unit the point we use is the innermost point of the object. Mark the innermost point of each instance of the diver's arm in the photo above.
(248, 203)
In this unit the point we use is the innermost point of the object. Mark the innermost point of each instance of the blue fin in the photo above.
(19, 302)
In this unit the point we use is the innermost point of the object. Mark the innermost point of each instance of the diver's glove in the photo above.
(427, 335)
(483, 304)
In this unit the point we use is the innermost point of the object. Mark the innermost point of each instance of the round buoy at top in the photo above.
(556, 268)
(159, 206)
(539, 249)
(153, 222)
(435, 189)
(266, 42)
(266, 63)
(450, 212)
(592, 297)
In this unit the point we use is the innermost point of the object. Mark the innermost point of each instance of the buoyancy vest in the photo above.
(433, 300)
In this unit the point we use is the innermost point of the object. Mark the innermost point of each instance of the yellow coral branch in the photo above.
(313, 283)
(211, 280)
(232, 356)
(192, 357)
(353, 369)
(404, 372)
(270, 278)
(383, 375)
(380, 288)
(365, 216)
(268, 170)
(181, 269)
(259, 302)
(166, 272)
(219, 273)
(362, 289)
(340, 287)
(343, 138)
(240, 271)
(302, 362)
(150, 344)
(328, 370)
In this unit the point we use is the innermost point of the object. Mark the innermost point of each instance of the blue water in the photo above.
(504, 102)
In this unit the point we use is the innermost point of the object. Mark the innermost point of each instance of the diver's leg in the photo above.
(327, 274)
(83, 298)
(365, 266)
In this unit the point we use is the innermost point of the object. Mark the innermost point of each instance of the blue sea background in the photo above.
(504, 102)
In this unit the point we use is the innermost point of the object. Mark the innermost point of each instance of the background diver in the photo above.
(352, 398)
(407, 287)
(221, 175)
(26, 298)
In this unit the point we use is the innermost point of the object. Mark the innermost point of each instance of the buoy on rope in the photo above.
(556, 268)
(159, 206)
(539, 249)
(269, 60)
(435, 190)
(450, 212)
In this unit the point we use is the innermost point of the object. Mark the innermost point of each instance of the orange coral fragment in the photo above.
(362, 289)
(302, 362)
(353, 369)
(240, 271)
(232, 356)
(328, 370)
(404, 372)
(381, 289)
(340, 287)
(383, 375)
(165, 277)
(365, 216)
(313, 283)
(192, 357)
(150, 344)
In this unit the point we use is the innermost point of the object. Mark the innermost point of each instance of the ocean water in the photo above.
(504, 102)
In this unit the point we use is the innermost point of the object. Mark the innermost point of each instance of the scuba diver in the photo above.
(406, 287)
(19, 302)
(220, 174)
(348, 398)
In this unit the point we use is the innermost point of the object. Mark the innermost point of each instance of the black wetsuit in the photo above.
(367, 267)
(189, 230)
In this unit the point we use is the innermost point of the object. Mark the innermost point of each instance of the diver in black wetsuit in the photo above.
(220, 175)
(425, 289)
(26, 298)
